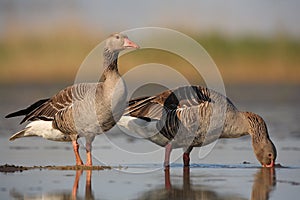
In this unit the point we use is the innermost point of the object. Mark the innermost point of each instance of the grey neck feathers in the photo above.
(110, 62)
(258, 128)
(236, 125)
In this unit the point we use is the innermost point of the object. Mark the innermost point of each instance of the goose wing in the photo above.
(155, 107)
(175, 109)
(46, 109)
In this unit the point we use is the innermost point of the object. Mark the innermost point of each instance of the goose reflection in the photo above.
(58, 195)
(264, 182)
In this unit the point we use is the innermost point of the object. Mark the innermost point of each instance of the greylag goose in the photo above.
(81, 110)
(183, 118)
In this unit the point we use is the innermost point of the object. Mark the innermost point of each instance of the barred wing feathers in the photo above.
(46, 109)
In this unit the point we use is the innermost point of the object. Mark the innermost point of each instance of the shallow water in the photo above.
(137, 164)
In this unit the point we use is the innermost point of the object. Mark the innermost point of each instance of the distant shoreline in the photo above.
(57, 57)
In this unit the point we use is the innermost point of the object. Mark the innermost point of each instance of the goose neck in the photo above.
(110, 65)
(110, 60)
(257, 127)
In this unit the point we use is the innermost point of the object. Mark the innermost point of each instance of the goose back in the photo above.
(190, 115)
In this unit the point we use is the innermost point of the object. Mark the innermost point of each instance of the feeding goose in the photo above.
(81, 110)
(191, 116)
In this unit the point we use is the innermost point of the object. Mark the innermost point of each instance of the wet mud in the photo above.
(13, 168)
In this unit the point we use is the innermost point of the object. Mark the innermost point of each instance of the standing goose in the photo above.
(81, 110)
(183, 118)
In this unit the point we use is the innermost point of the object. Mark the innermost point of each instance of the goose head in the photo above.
(118, 42)
(265, 153)
(264, 149)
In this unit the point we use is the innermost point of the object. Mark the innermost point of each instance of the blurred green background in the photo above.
(251, 42)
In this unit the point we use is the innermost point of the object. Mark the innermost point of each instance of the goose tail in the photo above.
(19, 134)
(42, 129)
(27, 110)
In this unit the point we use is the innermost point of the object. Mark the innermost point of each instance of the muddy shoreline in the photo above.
(7, 168)
(13, 168)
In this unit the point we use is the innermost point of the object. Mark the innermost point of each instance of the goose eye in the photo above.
(270, 155)
(117, 37)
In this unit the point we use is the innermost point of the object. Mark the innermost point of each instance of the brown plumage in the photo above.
(193, 116)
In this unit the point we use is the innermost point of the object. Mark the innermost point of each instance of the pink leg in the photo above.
(168, 149)
(77, 156)
(186, 157)
(89, 161)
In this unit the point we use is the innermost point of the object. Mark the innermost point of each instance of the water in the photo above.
(137, 175)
